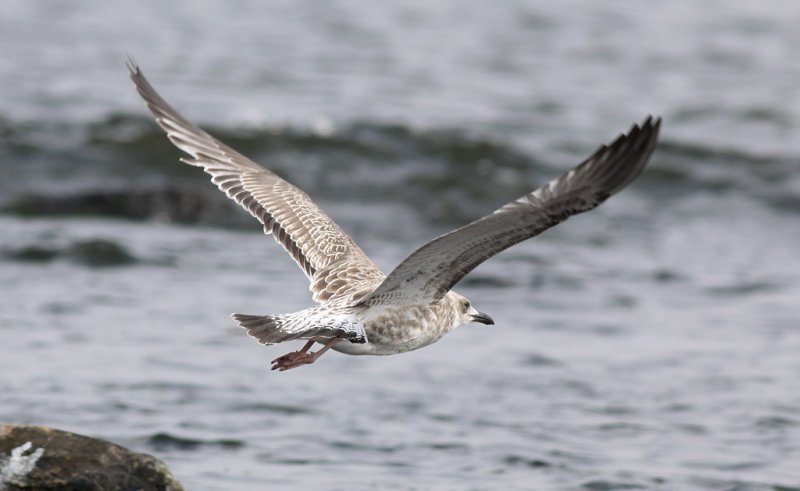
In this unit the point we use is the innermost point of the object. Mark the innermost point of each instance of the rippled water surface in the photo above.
(653, 343)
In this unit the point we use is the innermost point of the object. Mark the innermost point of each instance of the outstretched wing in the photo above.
(328, 256)
(432, 270)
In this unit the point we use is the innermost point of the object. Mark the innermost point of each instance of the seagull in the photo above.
(360, 310)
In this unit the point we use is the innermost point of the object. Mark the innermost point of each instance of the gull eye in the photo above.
(466, 305)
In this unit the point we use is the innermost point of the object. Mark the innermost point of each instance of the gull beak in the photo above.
(482, 318)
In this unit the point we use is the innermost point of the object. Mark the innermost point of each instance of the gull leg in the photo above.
(302, 357)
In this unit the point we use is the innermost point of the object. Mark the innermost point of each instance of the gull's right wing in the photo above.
(333, 262)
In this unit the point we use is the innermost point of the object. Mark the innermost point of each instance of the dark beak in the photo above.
(483, 319)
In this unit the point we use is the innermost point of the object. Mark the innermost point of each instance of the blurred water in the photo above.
(650, 344)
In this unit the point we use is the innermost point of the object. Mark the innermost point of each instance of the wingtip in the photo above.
(648, 122)
(130, 62)
(651, 121)
(651, 127)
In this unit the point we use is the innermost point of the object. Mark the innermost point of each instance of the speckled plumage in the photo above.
(361, 310)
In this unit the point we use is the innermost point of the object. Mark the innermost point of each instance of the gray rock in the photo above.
(41, 458)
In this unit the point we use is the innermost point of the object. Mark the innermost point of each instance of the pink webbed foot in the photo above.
(301, 357)
(293, 360)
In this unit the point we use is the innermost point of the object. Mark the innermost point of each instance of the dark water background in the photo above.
(653, 343)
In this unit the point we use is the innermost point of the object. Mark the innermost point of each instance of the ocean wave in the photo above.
(163, 441)
(123, 166)
(183, 203)
(93, 253)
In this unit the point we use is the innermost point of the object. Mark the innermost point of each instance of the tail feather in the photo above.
(265, 328)
(273, 329)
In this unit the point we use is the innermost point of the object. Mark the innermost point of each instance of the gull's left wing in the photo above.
(432, 270)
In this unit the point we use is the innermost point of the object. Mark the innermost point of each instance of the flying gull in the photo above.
(360, 310)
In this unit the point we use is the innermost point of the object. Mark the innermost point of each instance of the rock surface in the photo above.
(41, 458)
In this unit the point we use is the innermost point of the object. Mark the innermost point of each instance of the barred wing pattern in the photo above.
(334, 264)
(433, 269)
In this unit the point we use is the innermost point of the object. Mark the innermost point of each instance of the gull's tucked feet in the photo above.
(301, 357)
(293, 360)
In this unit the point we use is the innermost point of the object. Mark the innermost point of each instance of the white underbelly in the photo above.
(356, 349)
(390, 343)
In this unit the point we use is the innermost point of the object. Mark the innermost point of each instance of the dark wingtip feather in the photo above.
(630, 153)
(130, 62)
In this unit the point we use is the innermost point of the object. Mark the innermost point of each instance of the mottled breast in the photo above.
(393, 330)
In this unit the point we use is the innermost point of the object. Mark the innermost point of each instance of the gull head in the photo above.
(467, 313)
